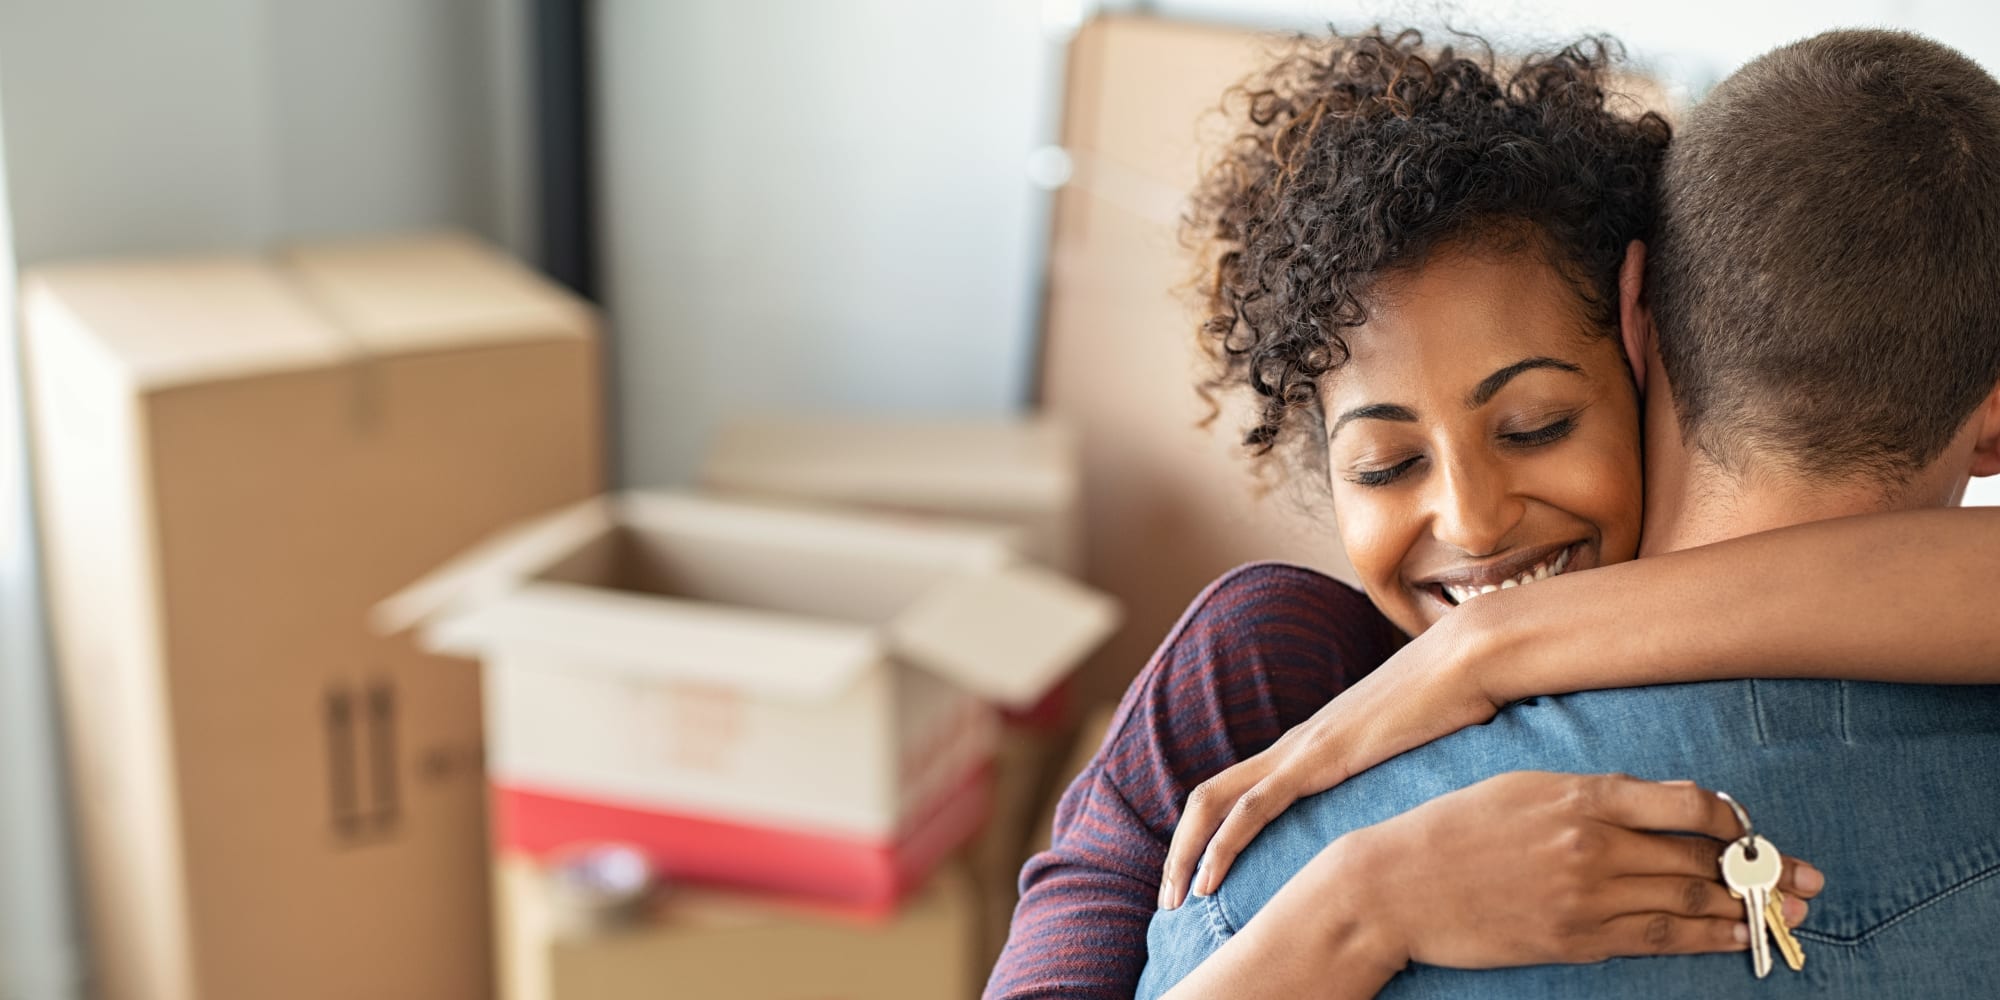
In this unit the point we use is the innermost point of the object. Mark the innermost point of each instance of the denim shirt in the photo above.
(1892, 790)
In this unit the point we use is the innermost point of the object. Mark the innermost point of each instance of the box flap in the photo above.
(1007, 635)
(990, 465)
(431, 291)
(935, 541)
(494, 567)
(587, 628)
(185, 321)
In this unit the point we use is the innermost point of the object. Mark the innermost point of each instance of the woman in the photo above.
(1403, 225)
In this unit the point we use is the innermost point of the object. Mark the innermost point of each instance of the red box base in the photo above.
(866, 876)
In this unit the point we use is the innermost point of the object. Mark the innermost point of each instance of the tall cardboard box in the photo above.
(696, 944)
(788, 699)
(237, 456)
(1168, 504)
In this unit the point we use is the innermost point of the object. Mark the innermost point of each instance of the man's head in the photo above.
(1825, 276)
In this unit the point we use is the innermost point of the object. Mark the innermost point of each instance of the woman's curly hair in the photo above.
(1358, 156)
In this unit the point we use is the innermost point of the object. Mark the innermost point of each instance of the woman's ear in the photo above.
(1986, 445)
(1635, 321)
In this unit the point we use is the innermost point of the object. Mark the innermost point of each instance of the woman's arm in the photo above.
(1526, 868)
(1907, 597)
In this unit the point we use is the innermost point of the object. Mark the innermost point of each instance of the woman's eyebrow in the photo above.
(1482, 393)
(1374, 411)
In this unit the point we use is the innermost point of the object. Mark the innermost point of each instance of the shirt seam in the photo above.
(1216, 920)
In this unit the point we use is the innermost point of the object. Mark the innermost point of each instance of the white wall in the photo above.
(158, 127)
(817, 205)
(133, 128)
(1983, 493)
(38, 939)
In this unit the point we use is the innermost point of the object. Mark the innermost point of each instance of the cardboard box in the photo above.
(787, 699)
(237, 457)
(706, 945)
(1022, 473)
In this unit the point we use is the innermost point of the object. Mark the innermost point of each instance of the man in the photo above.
(1811, 353)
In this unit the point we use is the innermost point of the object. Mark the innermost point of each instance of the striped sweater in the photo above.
(1256, 654)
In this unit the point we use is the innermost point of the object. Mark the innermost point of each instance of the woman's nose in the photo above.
(1475, 510)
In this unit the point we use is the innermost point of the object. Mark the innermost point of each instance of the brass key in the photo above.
(1788, 946)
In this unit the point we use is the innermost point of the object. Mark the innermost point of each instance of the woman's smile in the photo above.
(1459, 584)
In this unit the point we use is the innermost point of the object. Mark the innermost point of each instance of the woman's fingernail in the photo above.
(1165, 889)
(1684, 781)
(1808, 878)
(1742, 933)
(1202, 879)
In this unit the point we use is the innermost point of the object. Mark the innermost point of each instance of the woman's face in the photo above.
(1481, 435)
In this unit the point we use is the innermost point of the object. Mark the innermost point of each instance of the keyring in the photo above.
(1749, 838)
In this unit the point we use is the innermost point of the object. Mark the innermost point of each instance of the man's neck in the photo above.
(1712, 505)
(1691, 500)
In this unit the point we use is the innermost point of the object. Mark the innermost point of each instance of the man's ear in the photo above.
(1986, 445)
(1635, 321)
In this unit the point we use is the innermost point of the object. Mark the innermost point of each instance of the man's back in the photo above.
(1892, 790)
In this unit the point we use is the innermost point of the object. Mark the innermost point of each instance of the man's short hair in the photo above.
(1825, 280)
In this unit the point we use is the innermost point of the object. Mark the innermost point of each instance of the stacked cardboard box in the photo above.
(779, 698)
(237, 457)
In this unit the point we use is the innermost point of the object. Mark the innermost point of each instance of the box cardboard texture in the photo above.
(1022, 473)
(696, 944)
(237, 457)
(787, 699)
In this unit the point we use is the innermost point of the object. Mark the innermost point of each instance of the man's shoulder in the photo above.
(1733, 732)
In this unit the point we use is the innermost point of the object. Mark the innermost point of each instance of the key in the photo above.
(1788, 946)
(1750, 868)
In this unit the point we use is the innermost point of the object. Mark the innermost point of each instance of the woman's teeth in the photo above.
(1540, 571)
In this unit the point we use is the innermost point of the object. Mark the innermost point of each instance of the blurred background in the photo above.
(902, 261)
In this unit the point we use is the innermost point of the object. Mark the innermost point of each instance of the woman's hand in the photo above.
(1525, 868)
(1530, 868)
(1420, 694)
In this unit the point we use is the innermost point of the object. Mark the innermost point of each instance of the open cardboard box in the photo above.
(780, 698)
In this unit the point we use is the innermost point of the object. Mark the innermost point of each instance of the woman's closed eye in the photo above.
(1549, 433)
(1385, 475)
